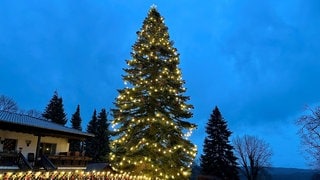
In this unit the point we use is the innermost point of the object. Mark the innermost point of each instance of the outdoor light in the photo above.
(28, 142)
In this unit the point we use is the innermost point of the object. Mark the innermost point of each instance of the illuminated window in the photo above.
(48, 148)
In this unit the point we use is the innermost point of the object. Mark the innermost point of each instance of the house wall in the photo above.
(62, 143)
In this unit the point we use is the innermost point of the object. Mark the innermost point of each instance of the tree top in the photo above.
(153, 6)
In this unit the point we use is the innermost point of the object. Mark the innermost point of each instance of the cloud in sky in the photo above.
(257, 61)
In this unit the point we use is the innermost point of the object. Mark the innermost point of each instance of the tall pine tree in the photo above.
(75, 145)
(102, 138)
(55, 110)
(92, 142)
(150, 113)
(218, 159)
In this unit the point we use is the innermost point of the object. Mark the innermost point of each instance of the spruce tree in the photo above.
(75, 145)
(92, 142)
(218, 159)
(55, 110)
(150, 113)
(102, 138)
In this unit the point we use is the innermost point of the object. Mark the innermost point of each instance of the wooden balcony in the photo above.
(8, 158)
(60, 161)
(69, 160)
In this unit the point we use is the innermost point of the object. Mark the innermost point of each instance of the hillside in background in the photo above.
(277, 173)
(293, 174)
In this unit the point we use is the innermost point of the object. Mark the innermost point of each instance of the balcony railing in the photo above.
(67, 160)
(51, 162)
(8, 158)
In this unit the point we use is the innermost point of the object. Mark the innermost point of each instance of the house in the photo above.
(27, 142)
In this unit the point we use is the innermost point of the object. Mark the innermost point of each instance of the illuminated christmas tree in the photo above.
(150, 115)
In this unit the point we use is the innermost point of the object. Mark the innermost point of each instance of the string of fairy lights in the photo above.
(69, 175)
(127, 99)
(155, 146)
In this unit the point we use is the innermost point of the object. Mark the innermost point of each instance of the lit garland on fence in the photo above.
(69, 175)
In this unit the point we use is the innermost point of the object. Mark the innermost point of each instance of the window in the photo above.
(48, 148)
(9, 145)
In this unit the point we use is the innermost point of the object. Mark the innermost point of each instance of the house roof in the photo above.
(27, 124)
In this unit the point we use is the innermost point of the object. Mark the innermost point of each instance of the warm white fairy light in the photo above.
(128, 99)
(77, 174)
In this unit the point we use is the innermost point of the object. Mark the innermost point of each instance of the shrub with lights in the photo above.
(151, 112)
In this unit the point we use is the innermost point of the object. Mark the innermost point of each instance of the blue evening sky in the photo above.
(258, 61)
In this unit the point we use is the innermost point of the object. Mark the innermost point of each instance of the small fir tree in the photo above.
(55, 110)
(150, 114)
(75, 145)
(92, 142)
(102, 138)
(218, 159)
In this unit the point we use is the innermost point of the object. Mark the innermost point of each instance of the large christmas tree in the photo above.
(218, 159)
(150, 113)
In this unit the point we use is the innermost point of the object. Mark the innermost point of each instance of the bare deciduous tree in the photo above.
(310, 135)
(253, 155)
(8, 104)
(32, 112)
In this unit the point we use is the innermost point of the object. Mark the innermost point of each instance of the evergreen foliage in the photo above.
(92, 142)
(218, 159)
(75, 145)
(102, 137)
(150, 113)
(98, 147)
(76, 119)
(55, 110)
